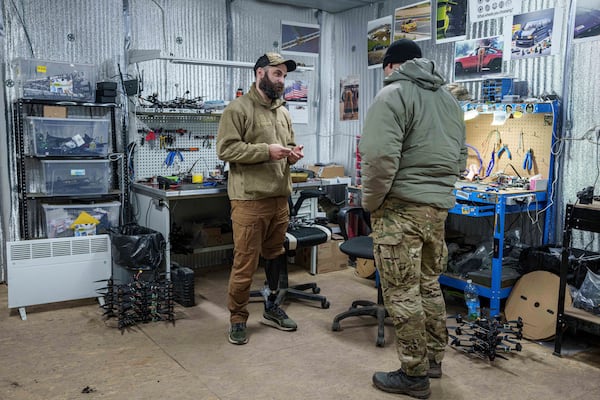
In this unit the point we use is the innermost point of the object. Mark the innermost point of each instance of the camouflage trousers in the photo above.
(410, 253)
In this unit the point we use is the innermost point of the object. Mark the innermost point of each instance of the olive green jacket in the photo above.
(413, 143)
(247, 127)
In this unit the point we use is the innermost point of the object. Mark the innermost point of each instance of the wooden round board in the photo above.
(534, 298)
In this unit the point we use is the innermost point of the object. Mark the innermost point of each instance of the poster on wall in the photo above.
(451, 20)
(480, 10)
(587, 21)
(295, 94)
(533, 34)
(413, 22)
(379, 36)
(478, 59)
(349, 98)
(300, 39)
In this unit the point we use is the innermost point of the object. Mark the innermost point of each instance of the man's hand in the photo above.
(296, 154)
(278, 152)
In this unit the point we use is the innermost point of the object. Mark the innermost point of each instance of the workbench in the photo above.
(158, 208)
(477, 201)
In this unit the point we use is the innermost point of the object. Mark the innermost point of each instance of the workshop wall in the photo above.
(98, 31)
(578, 153)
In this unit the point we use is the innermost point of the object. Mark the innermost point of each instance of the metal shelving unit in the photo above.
(29, 200)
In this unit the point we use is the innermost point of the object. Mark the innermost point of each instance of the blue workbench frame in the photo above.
(481, 203)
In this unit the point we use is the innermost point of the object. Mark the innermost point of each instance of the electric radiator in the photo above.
(51, 270)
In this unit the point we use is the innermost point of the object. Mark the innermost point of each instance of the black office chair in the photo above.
(355, 226)
(300, 234)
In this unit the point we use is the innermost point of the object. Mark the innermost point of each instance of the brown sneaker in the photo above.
(435, 369)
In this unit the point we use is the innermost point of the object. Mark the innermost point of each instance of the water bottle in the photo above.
(472, 300)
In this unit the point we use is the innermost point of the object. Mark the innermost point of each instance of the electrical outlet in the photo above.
(158, 204)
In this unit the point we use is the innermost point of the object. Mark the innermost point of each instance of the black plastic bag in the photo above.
(136, 247)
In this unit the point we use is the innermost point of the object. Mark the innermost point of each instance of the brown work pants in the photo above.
(259, 228)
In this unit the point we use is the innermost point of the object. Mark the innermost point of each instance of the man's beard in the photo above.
(271, 89)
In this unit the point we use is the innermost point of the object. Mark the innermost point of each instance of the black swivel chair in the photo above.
(355, 226)
(300, 234)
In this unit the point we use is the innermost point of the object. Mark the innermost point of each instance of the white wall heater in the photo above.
(50, 270)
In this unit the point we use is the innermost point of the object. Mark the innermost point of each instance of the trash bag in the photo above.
(136, 247)
(588, 295)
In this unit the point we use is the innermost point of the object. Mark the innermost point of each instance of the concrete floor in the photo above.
(66, 351)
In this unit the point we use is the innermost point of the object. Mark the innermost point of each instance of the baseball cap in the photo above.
(401, 50)
(274, 59)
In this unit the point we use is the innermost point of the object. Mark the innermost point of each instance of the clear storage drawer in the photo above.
(68, 136)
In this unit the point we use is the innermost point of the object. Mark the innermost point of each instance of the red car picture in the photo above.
(480, 59)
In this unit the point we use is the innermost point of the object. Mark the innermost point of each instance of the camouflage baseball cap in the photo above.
(274, 59)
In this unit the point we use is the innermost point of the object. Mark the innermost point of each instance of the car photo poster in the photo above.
(533, 34)
(480, 10)
(478, 59)
(587, 21)
(413, 22)
(379, 36)
(300, 39)
(451, 21)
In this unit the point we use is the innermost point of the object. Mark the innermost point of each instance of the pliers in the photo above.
(171, 155)
(503, 149)
(528, 161)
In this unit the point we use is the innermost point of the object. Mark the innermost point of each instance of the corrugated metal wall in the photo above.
(96, 31)
(579, 161)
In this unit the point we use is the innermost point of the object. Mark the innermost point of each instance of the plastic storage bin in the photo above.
(41, 79)
(59, 217)
(76, 177)
(68, 136)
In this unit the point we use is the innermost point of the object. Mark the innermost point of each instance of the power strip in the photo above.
(521, 199)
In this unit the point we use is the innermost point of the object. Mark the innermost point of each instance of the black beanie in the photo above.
(401, 50)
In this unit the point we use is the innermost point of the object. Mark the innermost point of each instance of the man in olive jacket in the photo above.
(256, 137)
(412, 150)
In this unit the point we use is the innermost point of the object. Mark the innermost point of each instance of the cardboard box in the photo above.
(214, 237)
(330, 258)
(55, 112)
(327, 171)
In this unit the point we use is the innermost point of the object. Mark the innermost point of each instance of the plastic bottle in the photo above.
(472, 301)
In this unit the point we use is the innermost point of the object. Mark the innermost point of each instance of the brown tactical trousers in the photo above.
(259, 228)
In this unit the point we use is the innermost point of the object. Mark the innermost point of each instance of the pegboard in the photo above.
(188, 131)
(530, 131)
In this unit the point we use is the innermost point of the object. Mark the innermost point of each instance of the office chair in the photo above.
(300, 234)
(355, 226)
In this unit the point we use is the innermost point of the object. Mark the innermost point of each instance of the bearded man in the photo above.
(256, 137)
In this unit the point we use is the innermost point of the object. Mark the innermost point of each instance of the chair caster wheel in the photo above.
(380, 342)
(316, 290)
(336, 327)
(325, 304)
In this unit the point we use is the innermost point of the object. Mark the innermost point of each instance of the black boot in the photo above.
(400, 383)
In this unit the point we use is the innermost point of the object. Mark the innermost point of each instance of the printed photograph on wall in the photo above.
(451, 20)
(478, 59)
(533, 34)
(480, 10)
(413, 22)
(300, 39)
(295, 94)
(379, 36)
(587, 20)
(349, 98)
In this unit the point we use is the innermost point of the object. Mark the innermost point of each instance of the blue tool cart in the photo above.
(528, 129)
